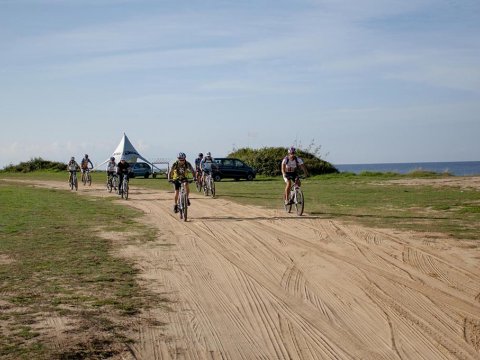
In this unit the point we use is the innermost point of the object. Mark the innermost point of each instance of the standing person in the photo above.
(198, 169)
(84, 165)
(72, 167)
(111, 169)
(206, 165)
(177, 174)
(290, 164)
(123, 168)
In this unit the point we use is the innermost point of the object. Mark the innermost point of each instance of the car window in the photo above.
(228, 162)
(239, 164)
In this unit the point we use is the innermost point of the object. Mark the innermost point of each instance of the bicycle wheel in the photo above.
(89, 179)
(212, 187)
(76, 183)
(299, 202)
(198, 184)
(84, 179)
(70, 183)
(109, 184)
(181, 204)
(125, 190)
(205, 188)
(291, 198)
(184, 207)
(288, 207)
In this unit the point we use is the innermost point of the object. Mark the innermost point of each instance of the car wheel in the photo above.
(146, 175)
(249, 177)
(217, 178)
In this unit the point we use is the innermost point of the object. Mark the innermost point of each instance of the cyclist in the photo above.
(206, 165)
(290, 163)
(111, 169)
(179, 172)
(123, 168)
(198, 169)
(72, 167)
(84, 165)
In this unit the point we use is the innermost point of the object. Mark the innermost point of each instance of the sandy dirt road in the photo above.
(249, 283)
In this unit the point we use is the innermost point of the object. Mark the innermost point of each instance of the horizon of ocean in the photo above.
(457, 168)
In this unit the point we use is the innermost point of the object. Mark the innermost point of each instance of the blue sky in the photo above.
(368, 81)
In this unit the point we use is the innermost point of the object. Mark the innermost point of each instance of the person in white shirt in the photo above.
(72, 167)
(206, 165)
(111, 170)
(290, 165)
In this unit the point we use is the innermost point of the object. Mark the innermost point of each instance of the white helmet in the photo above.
(209, 154)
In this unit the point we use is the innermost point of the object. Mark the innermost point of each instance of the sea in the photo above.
(457, 168)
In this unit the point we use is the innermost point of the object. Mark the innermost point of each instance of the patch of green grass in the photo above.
(371, 200)
(57, 264)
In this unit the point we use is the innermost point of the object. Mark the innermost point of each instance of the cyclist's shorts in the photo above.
(178, 183)
(290, 176)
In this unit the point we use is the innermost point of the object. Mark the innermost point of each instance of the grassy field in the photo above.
(54, 263)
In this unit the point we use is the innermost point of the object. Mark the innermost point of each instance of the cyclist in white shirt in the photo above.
(72, 167)
(111, 168)
(290, 165)
(206, 165)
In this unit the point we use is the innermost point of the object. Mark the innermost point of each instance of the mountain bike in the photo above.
(183, 200)
(112, 182)
(295, 198)
(209, 186)
(86, 177)
(125, 187)
(73, 181)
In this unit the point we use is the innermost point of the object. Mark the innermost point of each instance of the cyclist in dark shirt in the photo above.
(123, 168)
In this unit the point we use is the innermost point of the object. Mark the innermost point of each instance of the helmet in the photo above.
(200, 155)
(209, 154)
(72, 158)
(112, 159)
(292, 150)
(86, 155)
(181, 156)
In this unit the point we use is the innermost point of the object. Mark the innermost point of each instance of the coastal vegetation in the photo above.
(267, 160)
(36, 164)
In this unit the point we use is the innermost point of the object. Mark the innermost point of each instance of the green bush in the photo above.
(267, 160)
(36, 164)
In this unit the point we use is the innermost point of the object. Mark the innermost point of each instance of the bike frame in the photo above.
(296, 197)
(86, 177)
(125, 188)
(182, 201)
(209, 186)
(111, 182)
(74, 181)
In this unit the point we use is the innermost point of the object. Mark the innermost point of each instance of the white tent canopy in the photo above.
(126, 150)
